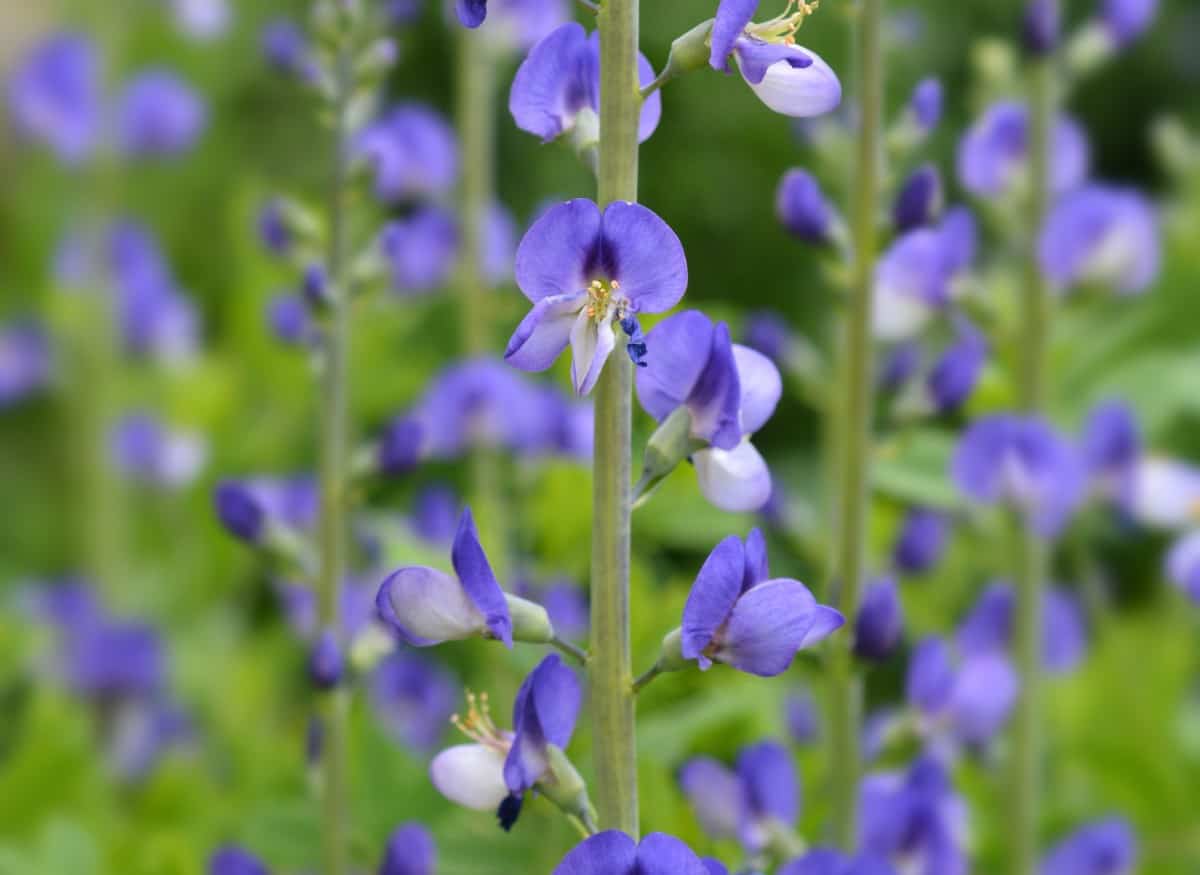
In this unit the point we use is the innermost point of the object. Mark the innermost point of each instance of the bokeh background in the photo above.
(1124, 729)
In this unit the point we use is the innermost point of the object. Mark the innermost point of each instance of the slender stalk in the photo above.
(1031, 577)
(854, 431)
(476, 130)
(612, 699)
(334, 470)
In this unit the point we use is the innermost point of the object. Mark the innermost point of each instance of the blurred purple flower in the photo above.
(925, 104)
(1163, 494)
(919, 200)
(879, 625)
(159, 115)
(290, 320)
(1101, 234)
(54, 95)
(993, 154)
(1183, 565)
(25, 361)
(921, 541)
(1126, 20)
(413, 698)
(413, 152)
(956, 373)
(988, 628)
(233, 860)
(914, 819)
(519, 25)
(801, 717)
(1104, 847)
(156, 319)
(249, 508)
(148, 452)
(285, 47)
(420, 249)
(715, 794)
(202, 20)
(802, 208)
(325, 661)
(1041, 26)
(770, 793)
(410, 850)
(615, 853)
(966, 701)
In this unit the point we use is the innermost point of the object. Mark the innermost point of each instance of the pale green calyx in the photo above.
(564, 786)
(671, 443)
(530, 622)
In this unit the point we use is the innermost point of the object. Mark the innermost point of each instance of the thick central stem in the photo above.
(612, 701)
(1031, 577)
(334, 452)
(854, 434)
(475, 129)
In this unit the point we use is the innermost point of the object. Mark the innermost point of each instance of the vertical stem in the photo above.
(855, 432)
(476, 132)
(333, 476)
(611, 675)
(1033, 557)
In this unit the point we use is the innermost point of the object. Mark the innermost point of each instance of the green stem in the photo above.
(1034, 315)
(854, 431)
(334, 470)
(477, 135)
(612, 699)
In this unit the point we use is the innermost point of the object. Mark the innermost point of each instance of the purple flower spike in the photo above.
(544, 713)
(54, 96)
(413, 698)
(925, 105)
(994, 154)
(880, 622)
(1126, 20)
(615, 853)
(770, 793)
(715, 794)
(1101, 234)
(25, 361)
(1021, 461)
(1105, 847)
(426, 607)
(585, 271)
(921, 541)
(802, 209)
(159, 115)
(735, 615)
(410, 851)
(421, 249)
(557, 88)
(1183, 565)
(413, 152)
(232, 860)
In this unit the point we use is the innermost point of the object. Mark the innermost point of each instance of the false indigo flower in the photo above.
(156, 320)
(435, 514)
(988, 627)
(1163, 494)
(159, 115)
(557, 89)
(1105, 847)
(1125, 20)
(139, 733)
(325, 661)
(420, 249)
(614, 853)
(426, 607)
(954, 375)
(410, 851)
(544, 714)
(232, 860)
(919, 200)
(921, 541)
(880, 621)
(1111, 441)
(715, 794)
(899, 364)
(770, 793)
(413, 152)
(802, 209)
(1101, 234)
(25, 364)
(400, 446)
(1183, 565)
(286, 48)
(789, 79)
(273, 228)
(110, 659)
(1024, 462)
(734, 614)
(1041, 26)
(915, 819)
(413, 698)
(54, 96)
(925, 105)
(826, 861)
(147, 452)
(971, 698)
(249, 508)
(801, 717)
(994, 153)
(769, 334)
(729, 391)
(290, 320)
(714, 866)
(585, 270)
(522, 24)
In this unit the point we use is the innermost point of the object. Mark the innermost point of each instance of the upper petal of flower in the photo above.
(767, 626)
(755, 56)
(761, 385)
(757, 566)
(732, 18)
(472, 567)
(661, 854)
(652, 105)
(559, 250)
(680, 347)
(715, 794)
(607, 853)
(713, 595)
(644, 255)
(543, 100)
(769, 782)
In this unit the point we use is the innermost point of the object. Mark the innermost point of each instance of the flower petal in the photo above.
(757, 567)
(642, 252)
(715, 794)
(728, 26)
(767, 626)
(713, 595)
(661, 854)
(826, 621)
(715, 398)
(799, 92)
(769, 781)
(540, 100)
(471, 13)
(472, 567)
(735, 480)
(591, 345)
(544, 332)
(559, 250)
(761, 385)
(652, 105)
(606, 853)
(470, 775)
(426, 607)
(755, 57)
(678, 348)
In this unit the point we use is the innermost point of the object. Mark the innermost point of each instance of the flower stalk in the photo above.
(610, 672)
(853, 431)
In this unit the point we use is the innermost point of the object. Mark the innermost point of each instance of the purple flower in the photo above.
(914, 819)
(920, 274)
(1041, 26)
(557, 89)
(420, 249)
(471, 13)
(426, 606)
(325, 661)
(988, 628)
(970, 699)
(290, 320)
(1163, 494)
(25, 361)
(584, 271)
(413, 698)
(521, 24)
(114, 659)
(994, 153)
(248, 509)
(801, 717)
(615, 853)
(880, 622)
(286, 48)
(715, 794)
(499, 245)
(146, 451)
(802, 208)
(729, 391)
(273, 228)
(1021, 461)
(770, 793)
(54, 95)
(413, 152)
(921, 541)
(734, 614)
(919, 200)
(400, 446)
(1101, 234)
(156, 319)
(68, 603)
(1183, 565)
(827, 861)
(789, 79)
(1104, 847)
(1126, 20)
(232, 860)
(714, 866)
(899, 364)
(925, 104)
(955, 374)
(769, 334)
(159, 115)
(410, 850)
(435, 514)
(1112, 441)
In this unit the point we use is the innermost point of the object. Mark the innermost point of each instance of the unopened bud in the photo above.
(530, 622)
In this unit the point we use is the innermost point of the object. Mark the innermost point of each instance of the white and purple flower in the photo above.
(993, 156)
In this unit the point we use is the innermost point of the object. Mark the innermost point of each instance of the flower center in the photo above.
(782, 29)
(479, 726)
(605, 301)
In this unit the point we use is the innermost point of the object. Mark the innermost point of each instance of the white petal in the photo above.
(470, 775)
(734, 480)
(432, 605)
(591, 344)
(813, 90)
(1165, 494)
(761, 387)
(897, 315)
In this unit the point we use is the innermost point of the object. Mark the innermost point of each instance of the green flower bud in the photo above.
(530, 622)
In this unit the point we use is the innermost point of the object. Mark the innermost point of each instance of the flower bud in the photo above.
(671, 443)
(921, 541)
(564, 786)
(1041, 26)
(925, 105)
(325, 663)
(802, 208)
(239, 512)
(880, 621)
(530, 622)
(400, 446)
(316, 286)
(377, 59)
(919, 200)
(689, 52)
(670, 657)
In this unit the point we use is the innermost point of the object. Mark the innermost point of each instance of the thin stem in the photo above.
(1034, 330)
(334, 471)
(612, 700)
(854, 430)
(645, 677)
(566, 647)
